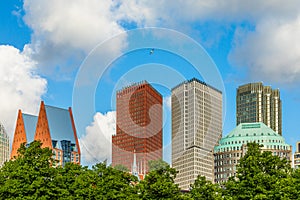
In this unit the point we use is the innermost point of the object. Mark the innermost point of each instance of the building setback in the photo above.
(232, 147)
(54, 127)
(4, 145)
(258, 103)
(139, 127)
(196, 129)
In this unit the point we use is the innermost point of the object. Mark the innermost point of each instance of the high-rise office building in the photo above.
(233, 146)
(139, 127)
(297, 156)
(54, 127)
(196, 129)
(4, 145)
(258, 103)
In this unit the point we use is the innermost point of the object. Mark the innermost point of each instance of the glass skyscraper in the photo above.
(258, 103)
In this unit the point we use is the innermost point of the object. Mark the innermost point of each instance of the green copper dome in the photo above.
(251, 132)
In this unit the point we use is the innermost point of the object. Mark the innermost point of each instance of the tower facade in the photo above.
(258, 103)
(54, 127)
(297, 156)
(139, 127)
(196, 129)
(4, 145)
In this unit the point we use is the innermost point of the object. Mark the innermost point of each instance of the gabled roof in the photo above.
(60, 124)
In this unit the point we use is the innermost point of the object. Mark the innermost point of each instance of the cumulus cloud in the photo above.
(97, 141)
(21, 87)
(168, 102)
(64, 32)
(271, 52)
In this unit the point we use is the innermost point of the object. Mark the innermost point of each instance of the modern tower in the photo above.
(233, 146)
(139, 127)
(54, 127)
(258, 103)
(4, 145)
(196, 129)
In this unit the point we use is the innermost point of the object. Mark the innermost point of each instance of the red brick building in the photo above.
(54, 127)
(139, 126)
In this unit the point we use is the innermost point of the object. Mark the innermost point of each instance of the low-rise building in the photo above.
(54, 127)
(233, 146)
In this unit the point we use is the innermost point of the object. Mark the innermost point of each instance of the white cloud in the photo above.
(21, 87)
(64, 32)
(168, 101)
(96, 143)
(271, 52)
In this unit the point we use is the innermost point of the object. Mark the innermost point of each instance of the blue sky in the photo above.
(45, 45)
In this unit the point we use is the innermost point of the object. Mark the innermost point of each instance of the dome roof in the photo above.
(252, 132)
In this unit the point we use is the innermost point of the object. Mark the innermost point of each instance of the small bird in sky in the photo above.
(151, 52)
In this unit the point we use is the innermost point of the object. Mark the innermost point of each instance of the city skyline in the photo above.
(42, 50)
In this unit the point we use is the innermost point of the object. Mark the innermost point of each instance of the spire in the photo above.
(134, 166)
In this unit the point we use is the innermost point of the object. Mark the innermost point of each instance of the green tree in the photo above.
(110, 183)
(157, 164)
(259, 176)
(159, 184)
(203, 189)
(121, 168)
(30, 175)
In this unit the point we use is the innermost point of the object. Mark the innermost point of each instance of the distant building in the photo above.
(258, 103)
(297, 156)
(233, 146)
(54, 127)
(4, 145)
(196, 129)
(139, 127)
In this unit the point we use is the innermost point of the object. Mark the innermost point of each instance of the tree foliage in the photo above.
(260, 175)
(31, 175)
(159, 184)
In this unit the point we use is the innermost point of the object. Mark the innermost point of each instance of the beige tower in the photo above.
(4, 145)
(258, 103)
(196, 129)
(297, 156)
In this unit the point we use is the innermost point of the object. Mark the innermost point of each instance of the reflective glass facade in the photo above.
(258, 103)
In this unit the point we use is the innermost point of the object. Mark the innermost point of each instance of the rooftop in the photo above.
(199, 81)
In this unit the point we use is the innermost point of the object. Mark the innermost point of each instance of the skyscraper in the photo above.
(258, 103)
(139, 127)
(4, 145)
(54, 127)
(196, 129)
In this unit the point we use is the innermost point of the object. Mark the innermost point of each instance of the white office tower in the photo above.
(196, 129)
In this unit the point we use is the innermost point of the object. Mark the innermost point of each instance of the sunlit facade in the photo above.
(233, 146)
(297, 156)
(139, 127)
(4, 145)
(258, 103)
(196, 129)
